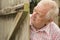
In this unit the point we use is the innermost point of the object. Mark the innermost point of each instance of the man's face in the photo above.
(38, 19)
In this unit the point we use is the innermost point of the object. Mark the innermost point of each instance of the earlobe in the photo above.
(50, 20)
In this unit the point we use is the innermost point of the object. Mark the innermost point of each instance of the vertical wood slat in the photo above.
(6, 24)
(27, 9)
(0, 4)
(16, 20)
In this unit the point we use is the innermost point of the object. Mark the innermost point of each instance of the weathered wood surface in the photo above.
(8, 3)
(14, 27)
(6, 24)
(21, 31)
(11, 9)
(14, 24)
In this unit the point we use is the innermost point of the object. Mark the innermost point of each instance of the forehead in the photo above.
(43, 9)
(38, 11)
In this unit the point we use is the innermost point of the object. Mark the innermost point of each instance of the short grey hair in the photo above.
(53, 13)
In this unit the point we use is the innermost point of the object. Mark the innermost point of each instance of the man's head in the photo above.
(44, 13)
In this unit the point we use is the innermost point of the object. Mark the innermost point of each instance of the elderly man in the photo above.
(42, 26)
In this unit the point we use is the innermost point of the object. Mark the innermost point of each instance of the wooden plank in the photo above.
(26, 9)
(21, 31)
(6, 24)
(12, 9)
(17, 18)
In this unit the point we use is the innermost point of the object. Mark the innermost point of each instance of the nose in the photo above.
(34, 13)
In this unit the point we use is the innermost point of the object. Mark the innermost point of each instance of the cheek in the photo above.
(40, 21)
(33, 17)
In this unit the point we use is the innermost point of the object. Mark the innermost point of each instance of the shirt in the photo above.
(49, 32)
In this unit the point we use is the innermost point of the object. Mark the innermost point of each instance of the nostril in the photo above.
(33, 17)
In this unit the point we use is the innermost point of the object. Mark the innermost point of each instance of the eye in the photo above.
(38, 14)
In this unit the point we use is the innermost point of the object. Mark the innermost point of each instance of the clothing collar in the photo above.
(45, 29)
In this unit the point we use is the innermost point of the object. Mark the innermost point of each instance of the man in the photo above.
(42, 26)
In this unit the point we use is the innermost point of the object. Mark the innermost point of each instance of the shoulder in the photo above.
(55, 31)
(54, 27)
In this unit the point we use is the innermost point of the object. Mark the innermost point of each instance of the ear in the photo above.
(50, 20)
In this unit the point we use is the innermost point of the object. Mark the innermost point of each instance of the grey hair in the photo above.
(53, 13)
